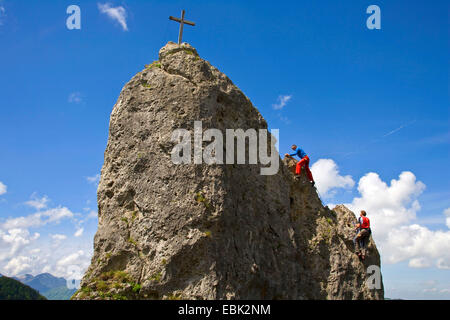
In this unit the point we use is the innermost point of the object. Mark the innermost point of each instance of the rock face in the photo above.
(198, 231)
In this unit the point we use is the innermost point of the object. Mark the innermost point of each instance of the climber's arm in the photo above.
(358, 225)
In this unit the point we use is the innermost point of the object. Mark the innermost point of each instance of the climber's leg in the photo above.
(298, 167)
(363, 237)
(362, 246)
(356, 242)
(365, 241)
(303, 162)
(308, 172)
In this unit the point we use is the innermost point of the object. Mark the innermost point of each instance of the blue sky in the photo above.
(366, 105)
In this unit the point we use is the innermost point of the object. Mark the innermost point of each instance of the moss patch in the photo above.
(200, 198)
(109, 284)
(132, 241)
(154, 64)
(145, 84)
(156, 277)
(175, 296)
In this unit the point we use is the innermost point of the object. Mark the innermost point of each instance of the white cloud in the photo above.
(57, 214)
(3, 188)
(392, 210)
(92, 215)
(79, 232)
(2, 14)
(33, 220)
(444, 262)
(70, 259)
(75, 97)
(281, 102)
(64, 264)
(25, 253)
(18, 265)
(429, 283)
(37, 203)
(419, 263)
(118, 14)
(447, 219)
(286, 120)
(58, 258)
(389, 206)
(327, 177)
(58, 237)
(38, 219)
(14, 240)
(22, 251)
(94, 179)
(35, 251)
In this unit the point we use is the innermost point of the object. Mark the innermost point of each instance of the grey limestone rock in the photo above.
(198, 231)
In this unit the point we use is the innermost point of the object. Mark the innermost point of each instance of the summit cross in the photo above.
(182, 22)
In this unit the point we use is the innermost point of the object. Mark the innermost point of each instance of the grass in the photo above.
(146, 84)
(117, 285)
(119, 276)
(174, 296)
(85, 290)
(154, 64)
(156, 277)
(83, 293)
(200, 198)
(111, 280)
(101, 286)
(132, 241)
(136, 288)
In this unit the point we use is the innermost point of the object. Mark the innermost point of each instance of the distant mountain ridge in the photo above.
(53, 288)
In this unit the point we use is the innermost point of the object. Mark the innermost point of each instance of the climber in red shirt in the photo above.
(304, 161)
(362, 236)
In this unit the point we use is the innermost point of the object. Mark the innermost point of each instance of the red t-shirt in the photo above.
(365, 222)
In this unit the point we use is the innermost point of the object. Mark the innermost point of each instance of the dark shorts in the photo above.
(364, 233)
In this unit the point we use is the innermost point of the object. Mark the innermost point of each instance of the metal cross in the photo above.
(182, 22)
